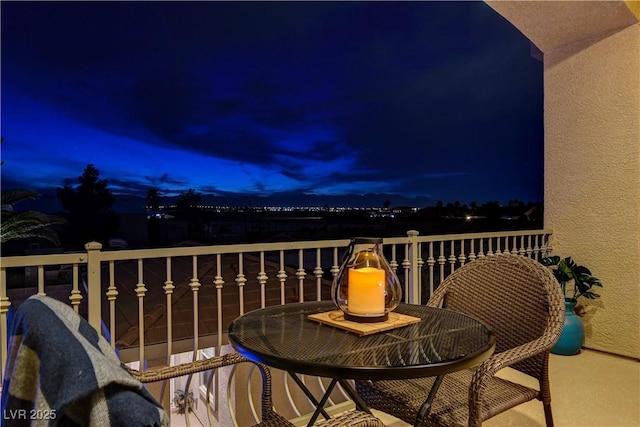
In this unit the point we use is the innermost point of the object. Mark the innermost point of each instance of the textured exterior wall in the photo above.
(592, 152)
(592, 176)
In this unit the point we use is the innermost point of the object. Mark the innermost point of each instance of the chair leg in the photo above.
(548, 416)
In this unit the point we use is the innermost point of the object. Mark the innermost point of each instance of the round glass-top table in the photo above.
(284, 337)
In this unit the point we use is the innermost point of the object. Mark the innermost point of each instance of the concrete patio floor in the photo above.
(588, 390)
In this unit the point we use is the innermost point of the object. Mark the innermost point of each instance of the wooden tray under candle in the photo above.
(336, 318)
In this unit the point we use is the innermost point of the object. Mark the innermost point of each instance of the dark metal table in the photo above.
(285, 338)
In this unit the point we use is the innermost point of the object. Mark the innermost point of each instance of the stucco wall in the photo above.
(592, 176)
(592, 151)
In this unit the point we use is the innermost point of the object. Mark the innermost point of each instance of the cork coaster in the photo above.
(336, 318)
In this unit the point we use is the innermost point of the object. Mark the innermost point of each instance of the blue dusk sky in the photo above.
(424, 101)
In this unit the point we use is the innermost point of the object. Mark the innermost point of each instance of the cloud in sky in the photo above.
(433, 99)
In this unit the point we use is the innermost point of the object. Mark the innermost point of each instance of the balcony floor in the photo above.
(589, 389)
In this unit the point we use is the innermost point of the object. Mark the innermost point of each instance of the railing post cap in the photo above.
(412, 233)
(93, 246)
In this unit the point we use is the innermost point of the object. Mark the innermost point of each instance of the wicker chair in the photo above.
(269, 417)
(521, 301)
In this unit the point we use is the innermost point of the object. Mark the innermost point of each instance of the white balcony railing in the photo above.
(154, 303)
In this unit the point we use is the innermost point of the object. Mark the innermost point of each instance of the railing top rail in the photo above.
(48, 259)
(127, 254)
(465, 236)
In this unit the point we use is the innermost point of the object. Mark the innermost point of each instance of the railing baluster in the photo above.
(41, 280)
(430, 262)
(112, 294)
(262, 280)
(540, 246)
(406, 266)
(529, 249)
(462, 258)
(472, 250)
(547, 247)
(420, 267)
(219, 282)
(141, 290)
(452, 257)
(194, 283)
(514, 249)
(318, 272)
(301, 274)
(441, 261)
(5, 303)
(168, 291)
(335, 268)
(240, 281)
(282, 277)
(394, 259)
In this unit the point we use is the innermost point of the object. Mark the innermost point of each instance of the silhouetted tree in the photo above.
(188, 201)
(187, 208)
(492, 210)
(153, 223)
(88, 208)
(153, 199)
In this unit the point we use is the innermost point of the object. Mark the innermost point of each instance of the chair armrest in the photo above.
(437, 297)
(487, 369)
(168, 372)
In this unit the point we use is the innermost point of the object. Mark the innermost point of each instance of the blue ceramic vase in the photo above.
(572, 336)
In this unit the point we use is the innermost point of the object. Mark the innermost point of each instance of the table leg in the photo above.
(322, 402)
(360, 404)
(312, 398)
(346, 386)
(426, 406)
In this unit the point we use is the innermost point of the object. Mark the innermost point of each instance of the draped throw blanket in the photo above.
(61, 372)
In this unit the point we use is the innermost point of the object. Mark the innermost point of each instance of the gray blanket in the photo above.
(61, 372)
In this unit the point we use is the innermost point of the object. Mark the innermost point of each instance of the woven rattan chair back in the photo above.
(521, 301)
(517, 297)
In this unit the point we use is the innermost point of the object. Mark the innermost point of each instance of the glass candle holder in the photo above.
(366, 289)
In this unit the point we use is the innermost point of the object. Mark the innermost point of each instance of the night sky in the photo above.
(435, 101)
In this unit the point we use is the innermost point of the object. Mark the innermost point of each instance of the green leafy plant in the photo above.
(26, 224)
(566, 271)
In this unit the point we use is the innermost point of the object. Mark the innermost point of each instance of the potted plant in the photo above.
(576, 281)
(184, 401)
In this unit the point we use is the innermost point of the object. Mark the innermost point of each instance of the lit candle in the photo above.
(366, 291)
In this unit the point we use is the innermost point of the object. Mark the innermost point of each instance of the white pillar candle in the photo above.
(366, 291)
